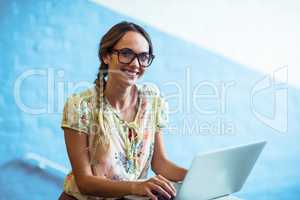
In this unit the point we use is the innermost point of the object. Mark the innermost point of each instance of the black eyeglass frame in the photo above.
(136, 55)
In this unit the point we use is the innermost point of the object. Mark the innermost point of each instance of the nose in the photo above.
(135, 63)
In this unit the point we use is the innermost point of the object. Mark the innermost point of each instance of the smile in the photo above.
(130, 74)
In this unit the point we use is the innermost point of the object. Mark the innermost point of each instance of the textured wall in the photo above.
(55, 44)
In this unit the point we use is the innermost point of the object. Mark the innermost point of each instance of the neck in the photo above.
(119, 96)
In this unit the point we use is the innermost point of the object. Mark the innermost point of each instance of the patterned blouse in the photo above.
(131, 143)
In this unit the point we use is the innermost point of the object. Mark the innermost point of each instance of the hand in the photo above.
(154, 185)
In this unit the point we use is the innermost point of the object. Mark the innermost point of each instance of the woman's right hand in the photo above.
(154, 185)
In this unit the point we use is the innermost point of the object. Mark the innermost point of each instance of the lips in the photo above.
(130, 73)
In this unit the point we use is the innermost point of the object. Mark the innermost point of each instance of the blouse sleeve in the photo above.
(76, 114)
(162, 114)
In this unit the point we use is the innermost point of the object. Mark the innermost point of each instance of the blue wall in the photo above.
(61, 38)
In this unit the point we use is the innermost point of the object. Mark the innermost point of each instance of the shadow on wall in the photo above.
(35, 182)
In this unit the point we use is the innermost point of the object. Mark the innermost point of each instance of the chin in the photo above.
(129, 82)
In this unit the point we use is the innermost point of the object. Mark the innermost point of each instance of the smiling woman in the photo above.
(113, 130)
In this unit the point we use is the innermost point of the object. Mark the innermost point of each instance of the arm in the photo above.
(88, 183)
(99, 186)
(161, 165)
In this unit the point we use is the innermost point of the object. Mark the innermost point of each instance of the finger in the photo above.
(168, 182)
(151, 195)
(160, 190)
(165, 186)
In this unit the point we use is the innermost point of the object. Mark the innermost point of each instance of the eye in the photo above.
(144, 56)
(126, 52)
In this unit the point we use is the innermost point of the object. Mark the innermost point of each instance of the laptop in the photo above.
(217, 174)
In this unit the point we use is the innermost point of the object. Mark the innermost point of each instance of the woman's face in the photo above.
(127, 74)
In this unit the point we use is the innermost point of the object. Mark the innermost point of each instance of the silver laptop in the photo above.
(217, 174)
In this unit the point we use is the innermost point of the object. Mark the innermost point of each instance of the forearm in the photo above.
(171, 171)
(102, 187)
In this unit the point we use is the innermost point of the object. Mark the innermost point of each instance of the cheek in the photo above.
(142, 71)
(114, 67)
(114, 64)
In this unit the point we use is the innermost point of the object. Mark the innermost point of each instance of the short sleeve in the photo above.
(159, 106)
(162, 114)
(76, 114)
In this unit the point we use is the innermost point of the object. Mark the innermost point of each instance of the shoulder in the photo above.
(85, 98)
(78, 113)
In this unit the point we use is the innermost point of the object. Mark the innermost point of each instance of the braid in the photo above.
(101, 140)
(101, 83)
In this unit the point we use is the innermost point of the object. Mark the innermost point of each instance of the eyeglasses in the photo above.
(126, 56)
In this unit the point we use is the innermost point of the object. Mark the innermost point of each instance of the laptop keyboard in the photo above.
(161, 197)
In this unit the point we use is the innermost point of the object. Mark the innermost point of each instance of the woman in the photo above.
(113, 130)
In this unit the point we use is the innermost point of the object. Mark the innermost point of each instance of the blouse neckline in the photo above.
(118, 114)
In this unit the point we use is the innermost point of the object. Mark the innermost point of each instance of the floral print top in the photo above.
(131, 143)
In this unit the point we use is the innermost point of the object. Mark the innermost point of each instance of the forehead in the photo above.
(133, 40)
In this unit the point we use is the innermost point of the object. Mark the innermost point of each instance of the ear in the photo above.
(106, 58)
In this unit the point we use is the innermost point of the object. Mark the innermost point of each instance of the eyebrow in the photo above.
(134, 51)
